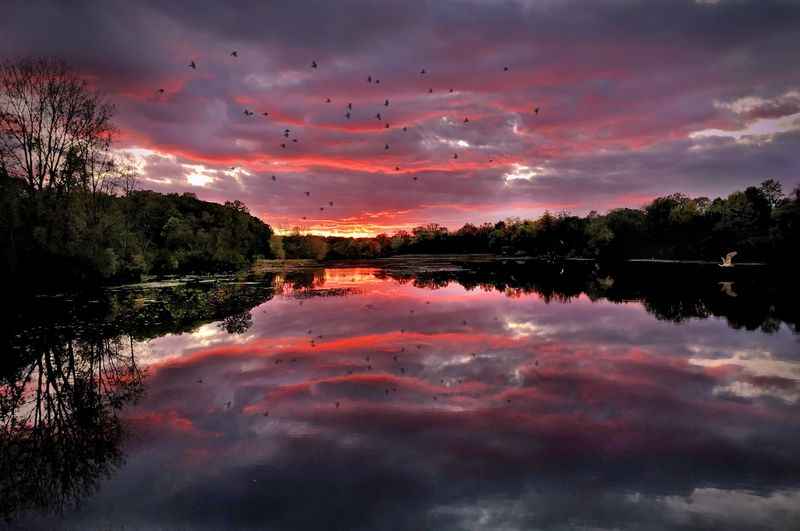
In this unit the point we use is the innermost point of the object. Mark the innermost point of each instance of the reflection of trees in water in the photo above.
(669, 292)
(60, 429)
(307, 283)
(68, 368)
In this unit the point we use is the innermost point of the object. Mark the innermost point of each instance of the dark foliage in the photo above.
(57, 238)
(760, 223)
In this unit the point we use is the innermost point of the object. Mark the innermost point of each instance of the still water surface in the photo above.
(356, 398)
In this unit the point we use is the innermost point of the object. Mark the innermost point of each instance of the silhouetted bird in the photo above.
(349, 106)
(234, 54)
(273, 178)
(536, 110)
(331, 204)
(369, 79)
(308, 194)
(455, 155)
(386, 103)
(321, 208)
(505, 69)
(283, 146)
(387, 126)
(193, 65)
(347, 115)
(386, 146)
(265, 113)
(405, 129)
(248, 112)
(337, 405)
(397, 168)
(415, 177)
(451, 91)
(377, 81)
(200, 381)
(266, 413)
(294, 140)
(161, 91)
(430, 91)
(327, 100)
(422, 72)
(378, 116)
(466, 120)
(313, 64)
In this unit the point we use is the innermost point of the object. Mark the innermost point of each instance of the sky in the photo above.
(636, 99)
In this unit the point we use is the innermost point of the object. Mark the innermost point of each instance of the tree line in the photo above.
(760, 223)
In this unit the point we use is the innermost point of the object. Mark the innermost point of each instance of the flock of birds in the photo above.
(289, 138)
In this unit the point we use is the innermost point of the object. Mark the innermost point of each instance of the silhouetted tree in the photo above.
(54, 130)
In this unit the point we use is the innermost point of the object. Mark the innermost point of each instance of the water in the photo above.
(497, 397)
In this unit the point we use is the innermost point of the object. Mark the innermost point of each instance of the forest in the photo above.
(98, 238)
(760, 223)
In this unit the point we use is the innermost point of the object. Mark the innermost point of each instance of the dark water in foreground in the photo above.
(498, 398)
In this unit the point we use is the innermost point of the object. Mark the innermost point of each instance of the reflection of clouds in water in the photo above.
(750, 390)
(703, 508)
(588, 415)
(736, 508)
(759, 375)
(173, 347)
(528, 329)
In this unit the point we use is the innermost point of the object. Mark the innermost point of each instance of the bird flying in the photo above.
(727, 261)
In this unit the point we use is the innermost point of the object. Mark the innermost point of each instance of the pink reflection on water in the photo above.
(478, 367)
